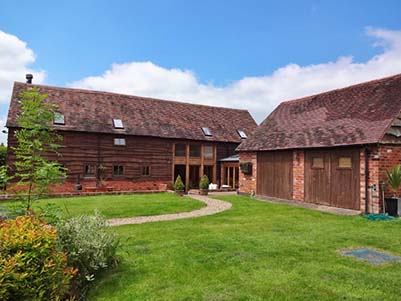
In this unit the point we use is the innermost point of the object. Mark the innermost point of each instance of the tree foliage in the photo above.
(36, 139)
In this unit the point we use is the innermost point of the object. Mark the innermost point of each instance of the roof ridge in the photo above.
(308, 97)
(129, 95)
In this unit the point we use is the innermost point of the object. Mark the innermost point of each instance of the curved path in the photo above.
(212, 207)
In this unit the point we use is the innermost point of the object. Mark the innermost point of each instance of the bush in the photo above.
(31, 265)
(90, 248)
(204, 182)
(179, 185)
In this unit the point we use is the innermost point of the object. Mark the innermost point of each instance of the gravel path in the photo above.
(212, 207)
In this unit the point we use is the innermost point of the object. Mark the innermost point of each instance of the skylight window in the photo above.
(206, 131)
(242, 134)
(118, 124)
(58, 118)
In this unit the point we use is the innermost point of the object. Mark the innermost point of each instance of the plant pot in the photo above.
(78, 187)
(393, 206)
(203, 191)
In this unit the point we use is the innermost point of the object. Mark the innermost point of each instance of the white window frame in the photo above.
(118, 123)
(119, 141)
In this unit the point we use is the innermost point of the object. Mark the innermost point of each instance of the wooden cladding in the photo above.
(336, 183)
(274, 174)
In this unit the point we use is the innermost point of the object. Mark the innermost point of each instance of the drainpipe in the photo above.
(366, 180)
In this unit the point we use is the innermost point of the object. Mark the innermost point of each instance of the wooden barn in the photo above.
(137, 143)
(332, 148)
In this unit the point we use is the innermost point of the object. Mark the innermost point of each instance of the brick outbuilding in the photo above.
(332, 148)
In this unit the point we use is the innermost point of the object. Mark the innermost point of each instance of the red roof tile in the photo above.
(93, 111)
(359, 114)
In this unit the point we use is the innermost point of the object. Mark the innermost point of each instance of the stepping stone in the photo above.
(371, 256)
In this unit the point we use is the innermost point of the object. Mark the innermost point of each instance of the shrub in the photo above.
(179, 185)
(394, 178)
(204, 182)
(90, 248)
(31, 265)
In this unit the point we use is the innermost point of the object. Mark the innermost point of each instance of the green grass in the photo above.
(255, 251)
(112, 206)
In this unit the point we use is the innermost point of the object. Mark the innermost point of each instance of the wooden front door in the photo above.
(274, 174)
(332, 178)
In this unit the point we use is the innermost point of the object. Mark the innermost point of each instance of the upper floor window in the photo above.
(208, 152)
(242, 134)
(194, 151)
(118, 124)
(206, 131)
(119, 141)
(58, 118)
(180, 150)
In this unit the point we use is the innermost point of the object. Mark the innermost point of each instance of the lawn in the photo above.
(112, 206)
(255, 251)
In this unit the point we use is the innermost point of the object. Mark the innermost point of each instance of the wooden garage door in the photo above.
(332, 178)
(274, 174)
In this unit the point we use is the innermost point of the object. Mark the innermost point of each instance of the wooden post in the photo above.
(187, 167)
(228, 175)
(215, 164)
(172, 162)
(222, 174)
(201, 169)
(234, 177)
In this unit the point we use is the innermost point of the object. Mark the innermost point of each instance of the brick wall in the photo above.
(298, 174)
(247, 183)
(88, 186)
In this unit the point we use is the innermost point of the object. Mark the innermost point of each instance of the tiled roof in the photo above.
(93, 111)
(359, 114)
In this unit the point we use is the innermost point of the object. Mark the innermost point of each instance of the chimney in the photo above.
(29, 78)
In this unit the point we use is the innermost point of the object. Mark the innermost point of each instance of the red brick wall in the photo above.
(87, 186)
(247, 183)
(390, 155)
(298, 174)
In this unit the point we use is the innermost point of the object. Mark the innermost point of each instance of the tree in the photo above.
(36, 139)
(3, 154)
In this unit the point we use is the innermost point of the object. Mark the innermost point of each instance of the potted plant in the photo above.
(179, 186)
(204, 185)
(78, 185)
(393, 206)
(246, 167)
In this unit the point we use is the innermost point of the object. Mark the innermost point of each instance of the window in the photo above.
(118, 170)
(180, 150)
(58, 118)
(242, 134)
(119, 141)
(89, 170)
(206, 131)
(317, 162)
(344, 162)
(194, 151)
(118, 124)
(208, 152)
(146, 170)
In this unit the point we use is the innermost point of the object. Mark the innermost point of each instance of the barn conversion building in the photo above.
(136, 143)
(332, 148)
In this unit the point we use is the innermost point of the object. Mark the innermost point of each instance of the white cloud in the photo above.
(15, 58)
(260, 95)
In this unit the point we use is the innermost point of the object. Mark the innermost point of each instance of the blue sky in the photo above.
(250, 54)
